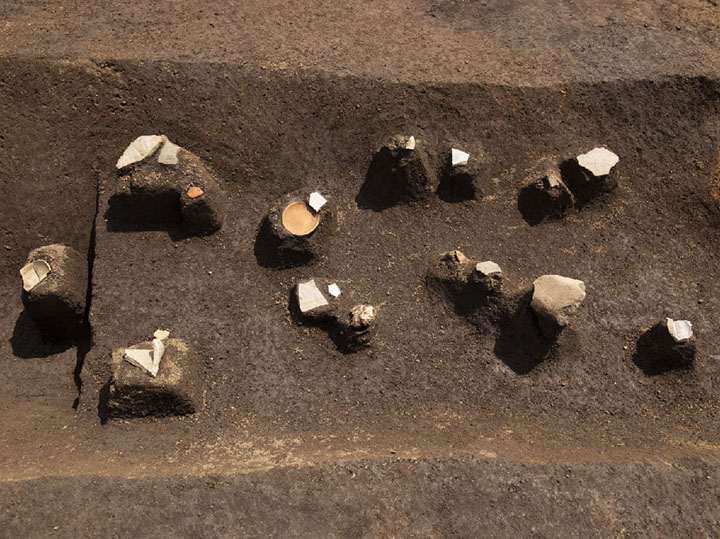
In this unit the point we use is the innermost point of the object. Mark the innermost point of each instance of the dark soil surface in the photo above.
(445, 426)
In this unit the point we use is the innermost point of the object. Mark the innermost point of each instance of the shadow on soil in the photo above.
(380, 190)
(139, 213)
(29, 341)
(519, 344)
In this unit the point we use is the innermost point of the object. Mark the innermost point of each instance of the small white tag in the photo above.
(459, 157)
(334, 289)
(410, 144)
(317, 201)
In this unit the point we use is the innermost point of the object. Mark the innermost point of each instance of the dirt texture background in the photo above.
(442, 428)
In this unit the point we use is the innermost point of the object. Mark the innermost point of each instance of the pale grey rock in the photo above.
(555, 300)
(487, 268)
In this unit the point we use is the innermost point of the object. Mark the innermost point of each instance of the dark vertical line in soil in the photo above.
(84, 346)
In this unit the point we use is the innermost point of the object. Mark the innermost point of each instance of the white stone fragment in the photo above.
(140, 358)
(148, 360)
(487, 268)
(458, 157)
(680, 330)
(599, 161)
(161, 334)
(158, 351)
(554, 179)
(310, 297)
(168, 154)
(140, 149)
(410, 144)
(33, 273)
(334, 289)
(316, 201)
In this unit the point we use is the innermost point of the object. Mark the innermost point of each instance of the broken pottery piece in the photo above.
(293, 232)
(488, 277)
(666, 346)
(546, 196)
(487, 268)
(139, 149)
(55, 284)
(680, 330)
(598, 161)
(310, 297)
(299, 220)
(140, 358)
(356, 329)
(458, 157)
(590, 174)
(410, 143)
(334, 289)
(168, 154)
(33, 273)
(316, 201)
(195, 192)
(147, 359)
(176, 390)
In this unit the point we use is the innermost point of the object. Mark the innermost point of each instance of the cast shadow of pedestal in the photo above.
(520, 344)
(28, 341)
(139, 213)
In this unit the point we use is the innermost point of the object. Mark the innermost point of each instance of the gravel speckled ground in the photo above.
(444, 427)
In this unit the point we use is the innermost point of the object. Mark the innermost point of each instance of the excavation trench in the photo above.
(430, 381)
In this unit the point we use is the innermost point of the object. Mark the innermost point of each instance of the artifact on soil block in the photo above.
(555, 300)
(166, 186)
(488, 277)
(175, 388)
(464, 280)
(357, 327)
(590, 174)
(55, 291)
(668, 345)
(399, 172)
(545, 197)
(293, 230)
(320, 302)
(315, 299)
(460, 178)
